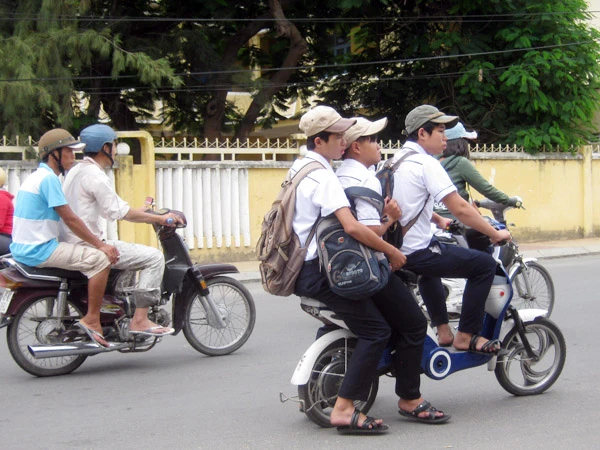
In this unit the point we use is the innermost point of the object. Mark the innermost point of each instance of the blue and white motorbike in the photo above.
(531, 360)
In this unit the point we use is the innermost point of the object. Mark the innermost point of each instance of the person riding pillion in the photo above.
(91, 194)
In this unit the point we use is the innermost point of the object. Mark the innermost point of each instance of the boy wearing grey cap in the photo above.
(418, 182)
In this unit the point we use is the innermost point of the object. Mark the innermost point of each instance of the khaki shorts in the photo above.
(88, 260)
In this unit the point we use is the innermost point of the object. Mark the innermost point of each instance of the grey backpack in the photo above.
(353, 270)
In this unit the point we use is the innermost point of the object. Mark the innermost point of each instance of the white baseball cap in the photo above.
(323, 118)
(364, 127)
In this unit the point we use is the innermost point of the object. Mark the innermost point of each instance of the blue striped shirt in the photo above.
(36, 223)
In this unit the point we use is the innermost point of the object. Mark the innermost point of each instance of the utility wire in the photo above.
(382, 19)
(320, 66)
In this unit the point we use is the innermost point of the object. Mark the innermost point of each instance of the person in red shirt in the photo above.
(7, 210)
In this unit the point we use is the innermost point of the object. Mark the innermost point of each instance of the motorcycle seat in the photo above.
(49, 273)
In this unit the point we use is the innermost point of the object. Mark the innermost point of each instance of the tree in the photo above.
(52, 51)
(520, 72)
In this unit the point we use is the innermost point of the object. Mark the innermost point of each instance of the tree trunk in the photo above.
(298, 47)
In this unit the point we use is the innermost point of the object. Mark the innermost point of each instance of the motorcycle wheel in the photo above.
(318, 396)
(36, 323)
(519, 374)
(541, 295)
(237, 306)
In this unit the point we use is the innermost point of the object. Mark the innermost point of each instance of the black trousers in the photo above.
(450, 261)
(372, 321)
(409, 329)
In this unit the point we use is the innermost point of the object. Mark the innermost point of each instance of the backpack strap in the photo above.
(368, 195)
(295, 181)
(389, 168)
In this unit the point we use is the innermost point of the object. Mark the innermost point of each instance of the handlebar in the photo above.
(498, 209)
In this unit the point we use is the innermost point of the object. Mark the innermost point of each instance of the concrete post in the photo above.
(588, 192)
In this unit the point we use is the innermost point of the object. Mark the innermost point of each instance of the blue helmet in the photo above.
(95, 136)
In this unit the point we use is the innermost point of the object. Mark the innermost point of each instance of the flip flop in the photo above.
(153, 331)
(369, 426)
(431, 417)
(95, 337)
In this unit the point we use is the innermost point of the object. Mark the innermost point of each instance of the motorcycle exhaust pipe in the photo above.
(79, 348)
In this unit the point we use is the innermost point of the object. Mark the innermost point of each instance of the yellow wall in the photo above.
(557, 190)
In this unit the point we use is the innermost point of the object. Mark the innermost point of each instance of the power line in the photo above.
(13, 17)
(321, 66)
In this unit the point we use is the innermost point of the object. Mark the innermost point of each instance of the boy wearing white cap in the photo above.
(395, 301)
(320, 194)
(418, 182)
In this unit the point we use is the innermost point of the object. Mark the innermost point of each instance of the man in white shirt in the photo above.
(91, 195)
(395, 301)
(320, 194)
(418, 182)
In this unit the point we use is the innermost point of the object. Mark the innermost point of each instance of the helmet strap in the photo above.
(58, 160)
(108, 155)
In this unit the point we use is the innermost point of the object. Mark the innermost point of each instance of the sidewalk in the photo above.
(541, 250)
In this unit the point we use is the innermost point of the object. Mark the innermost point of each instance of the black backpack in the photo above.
(396, 232)
(353, 270)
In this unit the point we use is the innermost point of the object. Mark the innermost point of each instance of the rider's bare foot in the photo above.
(411, 405)
(445, 336)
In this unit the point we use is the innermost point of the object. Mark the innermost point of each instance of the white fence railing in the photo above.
(215, 201)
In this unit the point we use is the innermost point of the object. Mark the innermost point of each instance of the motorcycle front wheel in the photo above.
(522, 374)
(37, 323)
(533, 288)
(236, 306)
(318, 396)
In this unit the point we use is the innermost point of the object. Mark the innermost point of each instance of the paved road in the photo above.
(173, 396)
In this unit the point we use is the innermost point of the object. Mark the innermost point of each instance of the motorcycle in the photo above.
(531, 360)
(532, 283)
(39, 308)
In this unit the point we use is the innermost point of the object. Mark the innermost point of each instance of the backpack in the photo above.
(396, 232)
(353, 270)
(279, 251)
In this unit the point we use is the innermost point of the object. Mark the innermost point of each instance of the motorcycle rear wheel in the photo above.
(238, 308)
(541, 294)
(519, 374)
(318, 396)
(37, 323)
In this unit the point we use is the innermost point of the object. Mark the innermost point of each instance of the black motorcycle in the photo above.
(40, 308)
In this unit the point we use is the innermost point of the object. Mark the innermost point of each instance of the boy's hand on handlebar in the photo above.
(396, 259)
(111, 252)
(501, 236)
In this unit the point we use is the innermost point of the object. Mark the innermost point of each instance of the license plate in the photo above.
(6, 296)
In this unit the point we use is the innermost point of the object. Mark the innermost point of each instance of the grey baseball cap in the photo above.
(427, 113)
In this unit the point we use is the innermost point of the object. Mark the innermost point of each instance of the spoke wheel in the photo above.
(237, 308)
(541, 293)
(520, 374)
(37, 323)
(318, 396)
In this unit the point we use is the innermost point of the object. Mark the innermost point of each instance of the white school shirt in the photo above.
(419, 175)
(319, 194)
(354, 173)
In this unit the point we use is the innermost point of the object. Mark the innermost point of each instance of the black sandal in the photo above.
(369, 426)
(489, 348)
(431, 418)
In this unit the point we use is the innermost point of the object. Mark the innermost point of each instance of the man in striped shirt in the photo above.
(40, 205)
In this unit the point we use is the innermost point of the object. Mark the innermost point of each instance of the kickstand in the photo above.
(284, 398)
